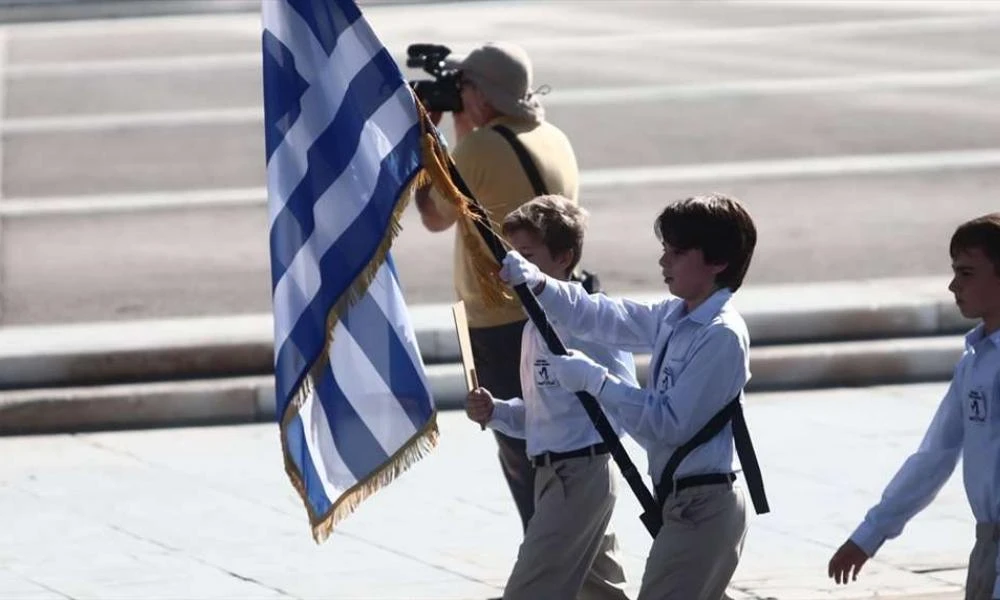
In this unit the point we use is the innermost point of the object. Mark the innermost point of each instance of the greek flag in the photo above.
(343, 141)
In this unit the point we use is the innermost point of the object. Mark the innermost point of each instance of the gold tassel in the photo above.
(484, 264)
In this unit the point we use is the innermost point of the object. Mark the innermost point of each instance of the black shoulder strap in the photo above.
(733, 411)
(526, 163)
(707, 432)
(748, 460)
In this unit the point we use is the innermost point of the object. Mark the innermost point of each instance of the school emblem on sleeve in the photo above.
(666, 378)
(543, 374)
(978, 408)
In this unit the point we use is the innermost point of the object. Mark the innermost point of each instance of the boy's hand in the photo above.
(847, 560)
(479, 406)
(577, 372)
(517, 270)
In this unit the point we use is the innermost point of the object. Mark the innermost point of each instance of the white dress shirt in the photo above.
(705, 364)
(549, 418)
(967, 423)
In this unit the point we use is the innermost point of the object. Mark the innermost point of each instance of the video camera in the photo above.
(443, 93)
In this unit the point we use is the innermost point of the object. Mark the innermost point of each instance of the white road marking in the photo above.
(3, 110)
(858, 164)
(110, 203)
(135, 66)
(133, 120)
(694, 37)
(864, 164)
(595, 96)
(800, 85)
(884, 6)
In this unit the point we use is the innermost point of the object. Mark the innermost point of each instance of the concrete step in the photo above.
(251, 398)
(137, 405)
(236, 345)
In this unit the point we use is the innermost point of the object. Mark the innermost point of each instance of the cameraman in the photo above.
(495, 81)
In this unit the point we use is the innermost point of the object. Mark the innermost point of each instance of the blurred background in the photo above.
(858, 133)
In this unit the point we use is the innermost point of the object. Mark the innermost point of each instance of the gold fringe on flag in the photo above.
(413, 450)
(418, 446)
(435, 173)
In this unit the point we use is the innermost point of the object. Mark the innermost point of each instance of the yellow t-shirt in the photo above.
(490, 168)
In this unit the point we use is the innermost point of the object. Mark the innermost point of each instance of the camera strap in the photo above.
(526, 163)
(590, 281)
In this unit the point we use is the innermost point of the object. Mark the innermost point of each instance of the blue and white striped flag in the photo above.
(343, 136)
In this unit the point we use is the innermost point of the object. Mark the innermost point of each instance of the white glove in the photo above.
(517, 270)
(577, 372)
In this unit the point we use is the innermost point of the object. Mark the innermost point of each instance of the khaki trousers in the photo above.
(983, 563)
(568, 552)
(695, 554)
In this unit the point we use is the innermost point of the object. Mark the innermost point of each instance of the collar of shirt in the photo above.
(705, 312)
(978, 335)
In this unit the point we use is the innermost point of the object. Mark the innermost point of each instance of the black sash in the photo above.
(732, 412)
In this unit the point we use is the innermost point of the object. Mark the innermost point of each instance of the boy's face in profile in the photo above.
(687, 274)
(976, 286)
(530, 245)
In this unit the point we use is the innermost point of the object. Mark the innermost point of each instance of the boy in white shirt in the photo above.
(567, 551)
(966, 424)
(689, 415)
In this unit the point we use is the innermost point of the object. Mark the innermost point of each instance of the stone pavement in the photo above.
(209, 513)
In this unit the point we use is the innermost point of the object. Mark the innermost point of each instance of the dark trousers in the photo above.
(497, 352)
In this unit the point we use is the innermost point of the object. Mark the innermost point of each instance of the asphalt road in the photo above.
(859, 134)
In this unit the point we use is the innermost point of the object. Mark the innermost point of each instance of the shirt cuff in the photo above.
(547, 291)
(501, 415)
(616, 391)
(868, 538)
(502, 420)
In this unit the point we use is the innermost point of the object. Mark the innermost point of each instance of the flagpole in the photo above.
(650, 517)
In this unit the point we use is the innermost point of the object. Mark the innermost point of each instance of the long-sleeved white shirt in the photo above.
(705, 363)
(549, 418)
(967, 423)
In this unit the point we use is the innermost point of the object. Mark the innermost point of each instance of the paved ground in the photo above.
(208, 513)
(858, 133)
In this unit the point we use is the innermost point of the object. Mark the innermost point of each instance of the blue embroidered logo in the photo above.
(978, 408)
(542, 378)
(666, 378)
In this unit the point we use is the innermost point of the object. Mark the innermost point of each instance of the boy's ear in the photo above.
(565, 259)
(719, 268)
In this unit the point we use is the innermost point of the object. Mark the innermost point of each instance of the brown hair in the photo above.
(716, 224)
(558, 221)
(983, 233)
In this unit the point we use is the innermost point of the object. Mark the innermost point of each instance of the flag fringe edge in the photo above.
(415, 448)
(431, 172)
